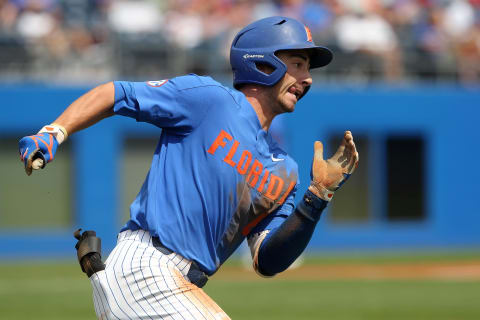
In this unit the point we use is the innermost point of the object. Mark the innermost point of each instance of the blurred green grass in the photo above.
(348, 300)
(59, 290)
(37, 290)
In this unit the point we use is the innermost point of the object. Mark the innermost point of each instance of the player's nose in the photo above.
(307, 79)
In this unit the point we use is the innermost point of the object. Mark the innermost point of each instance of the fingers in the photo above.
(349, 143)
(35, 161)
(28, 165)
(351, 154)
(348, 137)
(353, 164)
(37, 164)
(345, 150)
(318, 150)
(347, 155)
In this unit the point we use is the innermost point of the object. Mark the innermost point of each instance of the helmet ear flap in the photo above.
(245, 64)
(265, 67)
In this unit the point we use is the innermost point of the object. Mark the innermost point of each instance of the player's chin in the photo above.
(289, 104)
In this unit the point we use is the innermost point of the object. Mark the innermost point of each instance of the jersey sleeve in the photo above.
(174, 104)
(276, 218)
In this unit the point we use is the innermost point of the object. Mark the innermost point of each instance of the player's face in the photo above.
(297, 78)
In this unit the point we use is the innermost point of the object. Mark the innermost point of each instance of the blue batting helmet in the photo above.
(259, 41)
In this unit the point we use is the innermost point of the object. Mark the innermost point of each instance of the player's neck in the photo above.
(260, 104)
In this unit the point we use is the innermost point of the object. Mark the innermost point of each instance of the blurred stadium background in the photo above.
(402, 239)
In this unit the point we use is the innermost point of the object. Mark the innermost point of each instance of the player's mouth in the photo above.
(297, 92)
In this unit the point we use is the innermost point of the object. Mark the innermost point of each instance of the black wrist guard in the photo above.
(311, 206)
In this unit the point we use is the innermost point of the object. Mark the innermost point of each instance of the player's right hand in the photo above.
(36, 151)
(329, 175)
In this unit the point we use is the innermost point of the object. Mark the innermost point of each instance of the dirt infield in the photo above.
(467, 271)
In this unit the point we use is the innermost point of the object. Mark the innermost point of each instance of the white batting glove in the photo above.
(329, 175)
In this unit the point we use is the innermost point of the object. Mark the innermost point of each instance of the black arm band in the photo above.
(311, 206)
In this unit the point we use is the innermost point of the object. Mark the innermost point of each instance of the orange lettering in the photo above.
(219, 141)
(233, 149)
(264, 179)
(255, 171)
(241, 168)
(274, 182)
(246, 230)
(290, 187)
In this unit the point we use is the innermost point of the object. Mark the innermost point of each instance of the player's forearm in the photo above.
(90, 108)
(283, 245)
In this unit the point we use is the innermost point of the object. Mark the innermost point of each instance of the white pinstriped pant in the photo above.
(140, 282)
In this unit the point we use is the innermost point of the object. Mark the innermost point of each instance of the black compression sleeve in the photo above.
(284, 244)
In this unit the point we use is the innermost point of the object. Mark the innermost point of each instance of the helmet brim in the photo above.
(319, 56)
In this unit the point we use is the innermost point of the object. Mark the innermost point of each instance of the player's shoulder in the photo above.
(208, 89)
(192, 81)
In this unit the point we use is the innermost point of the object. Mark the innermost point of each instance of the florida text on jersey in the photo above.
(216, 175)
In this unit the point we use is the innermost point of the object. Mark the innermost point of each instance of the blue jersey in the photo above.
(216, 175)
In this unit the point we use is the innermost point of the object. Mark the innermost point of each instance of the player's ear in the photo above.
(264, 67)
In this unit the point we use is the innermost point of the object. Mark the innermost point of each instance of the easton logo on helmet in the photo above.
(309, 34)
(247, 56)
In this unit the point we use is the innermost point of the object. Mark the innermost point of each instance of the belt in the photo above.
(194, 274)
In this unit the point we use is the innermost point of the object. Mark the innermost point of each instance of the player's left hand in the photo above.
(36, 151)
(329, 175)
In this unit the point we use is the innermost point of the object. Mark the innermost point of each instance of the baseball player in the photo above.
(216, 177)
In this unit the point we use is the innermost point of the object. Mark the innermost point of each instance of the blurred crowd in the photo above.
(373, 40)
